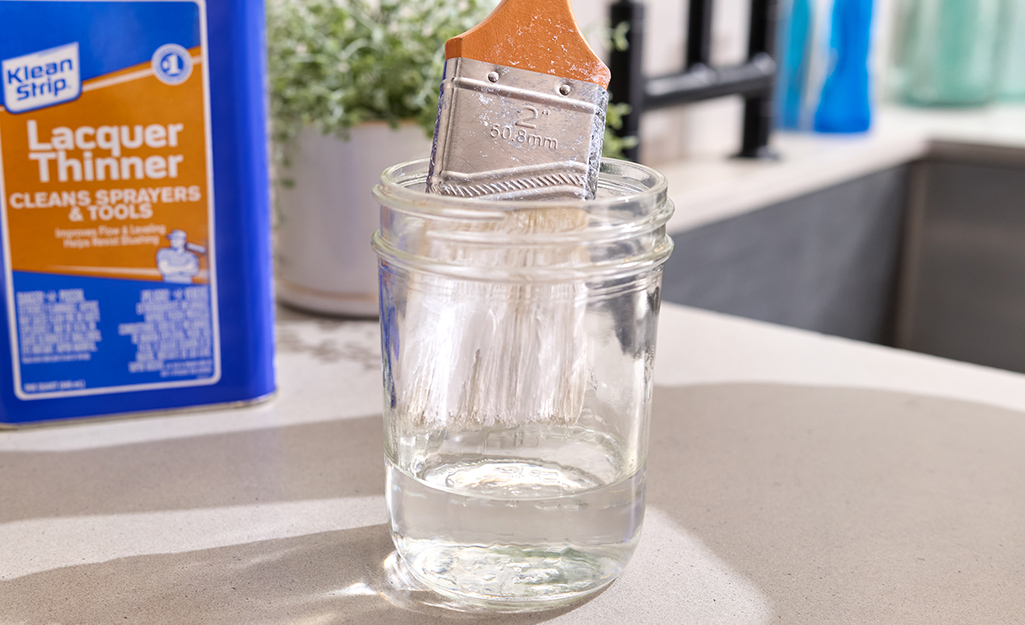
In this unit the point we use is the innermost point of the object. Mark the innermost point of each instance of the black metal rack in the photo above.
(698, 81)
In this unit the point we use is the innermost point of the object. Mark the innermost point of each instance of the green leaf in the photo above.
(334, 64)
(337, 63)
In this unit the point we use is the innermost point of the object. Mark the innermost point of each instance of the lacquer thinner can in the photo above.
(136, 266)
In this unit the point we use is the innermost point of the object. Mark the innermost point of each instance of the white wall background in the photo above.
(713, 127)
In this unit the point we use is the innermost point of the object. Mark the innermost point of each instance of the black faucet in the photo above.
(753, 79)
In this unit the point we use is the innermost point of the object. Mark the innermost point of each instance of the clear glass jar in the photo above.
(518, 341)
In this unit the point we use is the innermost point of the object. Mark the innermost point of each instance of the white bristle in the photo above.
(508, 349)
(491, 353)
(477, 354)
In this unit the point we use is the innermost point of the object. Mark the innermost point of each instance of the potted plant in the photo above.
(353, 90)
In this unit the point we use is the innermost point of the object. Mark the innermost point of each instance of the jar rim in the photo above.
(621, 233)
(401, 185)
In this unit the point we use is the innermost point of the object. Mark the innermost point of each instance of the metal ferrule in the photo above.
(508, 133)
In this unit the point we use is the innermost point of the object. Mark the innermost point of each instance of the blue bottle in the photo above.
(844, 105)
(793, 77)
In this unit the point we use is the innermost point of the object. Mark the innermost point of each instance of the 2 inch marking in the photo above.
(520, 135)
(529, 115)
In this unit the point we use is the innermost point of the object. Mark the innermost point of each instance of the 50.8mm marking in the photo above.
(518, 131)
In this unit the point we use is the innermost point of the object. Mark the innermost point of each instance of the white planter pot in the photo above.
(324, 260)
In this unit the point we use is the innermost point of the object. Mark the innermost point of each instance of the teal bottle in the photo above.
(947, 51)
(1011, 80)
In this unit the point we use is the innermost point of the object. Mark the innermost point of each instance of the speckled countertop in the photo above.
(793, 478)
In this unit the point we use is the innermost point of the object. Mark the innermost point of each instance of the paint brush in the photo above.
(521, 117)
(522, 108)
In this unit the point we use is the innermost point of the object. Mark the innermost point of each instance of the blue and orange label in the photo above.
(106, 196)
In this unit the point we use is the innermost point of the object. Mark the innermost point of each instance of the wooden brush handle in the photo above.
(536, 35)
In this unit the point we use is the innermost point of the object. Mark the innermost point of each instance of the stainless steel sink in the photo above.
(962, 293)
(927, 256)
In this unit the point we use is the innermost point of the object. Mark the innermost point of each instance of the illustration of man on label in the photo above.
(179, 263)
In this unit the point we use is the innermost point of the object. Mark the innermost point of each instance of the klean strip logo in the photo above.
(41, 79)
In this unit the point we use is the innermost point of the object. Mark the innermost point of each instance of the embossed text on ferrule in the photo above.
(524, 130)
(521, 136)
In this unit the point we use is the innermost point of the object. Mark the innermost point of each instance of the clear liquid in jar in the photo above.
(513, 533)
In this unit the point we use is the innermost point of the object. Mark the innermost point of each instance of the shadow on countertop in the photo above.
(347, 576)
(290, 463)
(823, 505)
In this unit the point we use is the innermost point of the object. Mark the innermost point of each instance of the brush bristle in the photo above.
(481, 353)
(478, 354)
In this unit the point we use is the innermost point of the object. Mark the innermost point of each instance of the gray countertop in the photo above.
(793, 478)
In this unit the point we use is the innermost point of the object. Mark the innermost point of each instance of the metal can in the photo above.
(135, 212)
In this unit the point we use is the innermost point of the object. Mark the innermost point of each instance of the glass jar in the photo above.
(518, 341)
